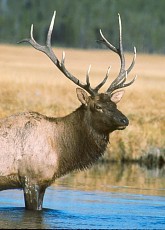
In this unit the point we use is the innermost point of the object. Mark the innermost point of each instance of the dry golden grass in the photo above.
(29, 81)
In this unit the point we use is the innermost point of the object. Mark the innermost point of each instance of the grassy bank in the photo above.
(29, 81)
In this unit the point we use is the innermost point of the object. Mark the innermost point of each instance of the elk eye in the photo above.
(98, 108)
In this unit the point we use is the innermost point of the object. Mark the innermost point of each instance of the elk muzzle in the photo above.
(121, 121)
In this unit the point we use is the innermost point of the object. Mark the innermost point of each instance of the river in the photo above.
(120, 196)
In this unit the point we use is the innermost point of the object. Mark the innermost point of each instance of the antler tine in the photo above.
(104, 80)
(121, 84)
(107, 43)
(49, 35)
(39, 47)
(63, 58)
(87, 75)
(47, 49)
(120, 52)
(133, 61)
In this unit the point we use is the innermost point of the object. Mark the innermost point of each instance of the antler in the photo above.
(47, 49)
(119, 82)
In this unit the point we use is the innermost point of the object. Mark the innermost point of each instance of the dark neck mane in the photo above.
(81, 145)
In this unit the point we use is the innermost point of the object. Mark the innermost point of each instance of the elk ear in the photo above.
(82, 96)
(117, 96)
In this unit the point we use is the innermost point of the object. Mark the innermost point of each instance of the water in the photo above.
(107, 196)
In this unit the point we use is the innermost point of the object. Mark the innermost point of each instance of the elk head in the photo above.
(101, 107)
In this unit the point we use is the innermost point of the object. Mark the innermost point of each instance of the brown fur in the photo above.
(36, 149)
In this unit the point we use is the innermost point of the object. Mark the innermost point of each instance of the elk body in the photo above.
(36, 149)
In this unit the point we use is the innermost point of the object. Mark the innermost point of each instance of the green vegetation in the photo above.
(78, 22)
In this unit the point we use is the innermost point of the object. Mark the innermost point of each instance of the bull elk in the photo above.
(35, 149)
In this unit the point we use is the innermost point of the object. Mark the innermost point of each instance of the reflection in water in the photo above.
(15, 218)
(106, 196)
(129, 178)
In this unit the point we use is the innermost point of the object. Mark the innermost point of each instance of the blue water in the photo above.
(65, 208)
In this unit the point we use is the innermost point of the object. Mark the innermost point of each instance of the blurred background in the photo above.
(78, 22)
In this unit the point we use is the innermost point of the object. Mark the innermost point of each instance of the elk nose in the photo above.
(125, 121)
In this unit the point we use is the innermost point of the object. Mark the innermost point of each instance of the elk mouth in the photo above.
(124, 122)
(122, 127)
